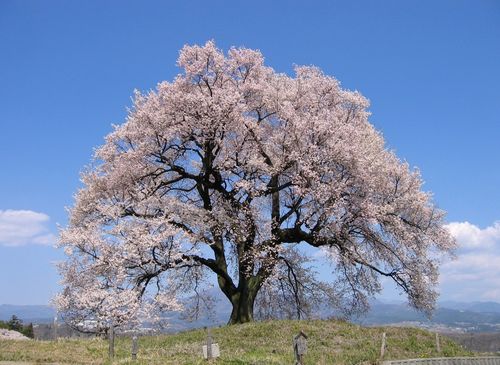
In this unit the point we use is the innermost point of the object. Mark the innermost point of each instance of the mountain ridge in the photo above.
(449, 316)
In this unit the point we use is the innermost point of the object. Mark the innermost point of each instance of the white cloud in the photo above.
(475, 274)
(470, 236)
(23, 227)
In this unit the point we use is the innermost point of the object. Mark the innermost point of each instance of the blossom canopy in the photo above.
(239, 171)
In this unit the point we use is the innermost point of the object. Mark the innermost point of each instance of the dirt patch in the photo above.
(11, 335)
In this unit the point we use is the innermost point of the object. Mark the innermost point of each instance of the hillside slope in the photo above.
(330, 342)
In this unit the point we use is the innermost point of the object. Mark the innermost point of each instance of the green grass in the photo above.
(260, 343)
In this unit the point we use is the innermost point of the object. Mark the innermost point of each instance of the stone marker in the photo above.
(210, 350)
(214, 350)
(300, 347)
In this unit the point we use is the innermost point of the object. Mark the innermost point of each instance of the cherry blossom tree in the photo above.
(240, 172)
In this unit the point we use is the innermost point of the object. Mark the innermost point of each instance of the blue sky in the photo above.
(67, 70)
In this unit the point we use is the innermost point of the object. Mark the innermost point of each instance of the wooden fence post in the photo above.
(209, 344)
(55, 328)
(135, 347)
(438, 345)
(382, 348)
(111, 336)
(300, 347)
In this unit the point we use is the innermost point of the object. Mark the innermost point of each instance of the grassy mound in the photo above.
(263, 343)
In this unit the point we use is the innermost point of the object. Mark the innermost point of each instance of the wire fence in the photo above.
(484, 360)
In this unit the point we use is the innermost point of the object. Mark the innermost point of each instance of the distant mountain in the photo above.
(28, 313)
(481, 307)
(458, 319)
(455, 317)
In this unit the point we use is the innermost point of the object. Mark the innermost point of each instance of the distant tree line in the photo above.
(16, 324)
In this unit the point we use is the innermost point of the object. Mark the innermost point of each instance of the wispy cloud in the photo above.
(24, 227)
(475, 274)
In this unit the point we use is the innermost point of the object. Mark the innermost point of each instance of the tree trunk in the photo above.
(242, 312)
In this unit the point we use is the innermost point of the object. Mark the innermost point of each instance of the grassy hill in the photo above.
(263, 343)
